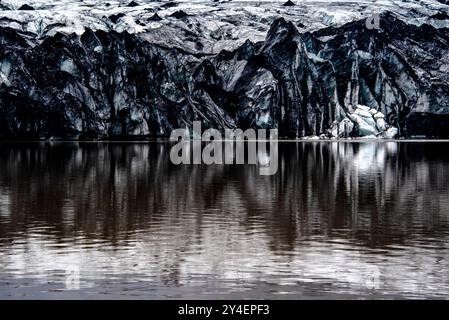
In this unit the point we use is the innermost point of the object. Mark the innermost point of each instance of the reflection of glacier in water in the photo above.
(339, 218)
(370, 156)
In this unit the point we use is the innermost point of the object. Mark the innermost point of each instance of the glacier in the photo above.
(126, 69)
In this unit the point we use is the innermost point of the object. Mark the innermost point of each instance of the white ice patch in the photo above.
(263, 119)
(5, 69)
(364, 128)
(363, 113)
(333, 17)
(369, 124)
(245, 19)
(391, 133)
(69, 66)
(326, 38)
(381, 124)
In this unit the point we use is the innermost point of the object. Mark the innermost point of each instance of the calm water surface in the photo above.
(338, 220)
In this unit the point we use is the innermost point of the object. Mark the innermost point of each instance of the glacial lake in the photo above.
(118, 220)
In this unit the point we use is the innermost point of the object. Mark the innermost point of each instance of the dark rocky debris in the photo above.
(132, 4)
(179, 14)
(289, 3)
(26, 7)
(154, 17)
(169, 4)
(115, 17)
(440, 16)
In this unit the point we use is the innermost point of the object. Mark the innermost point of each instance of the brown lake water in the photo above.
(118, 220)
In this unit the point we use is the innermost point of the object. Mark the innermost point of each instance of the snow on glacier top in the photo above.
(210, 26)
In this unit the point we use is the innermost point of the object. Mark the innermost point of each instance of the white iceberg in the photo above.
(364, 122)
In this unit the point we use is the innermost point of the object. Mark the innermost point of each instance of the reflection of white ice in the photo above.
(367, 158)
(5, 205)
(392, 147)
(263, 157)
(231, 258)
(372, 156)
